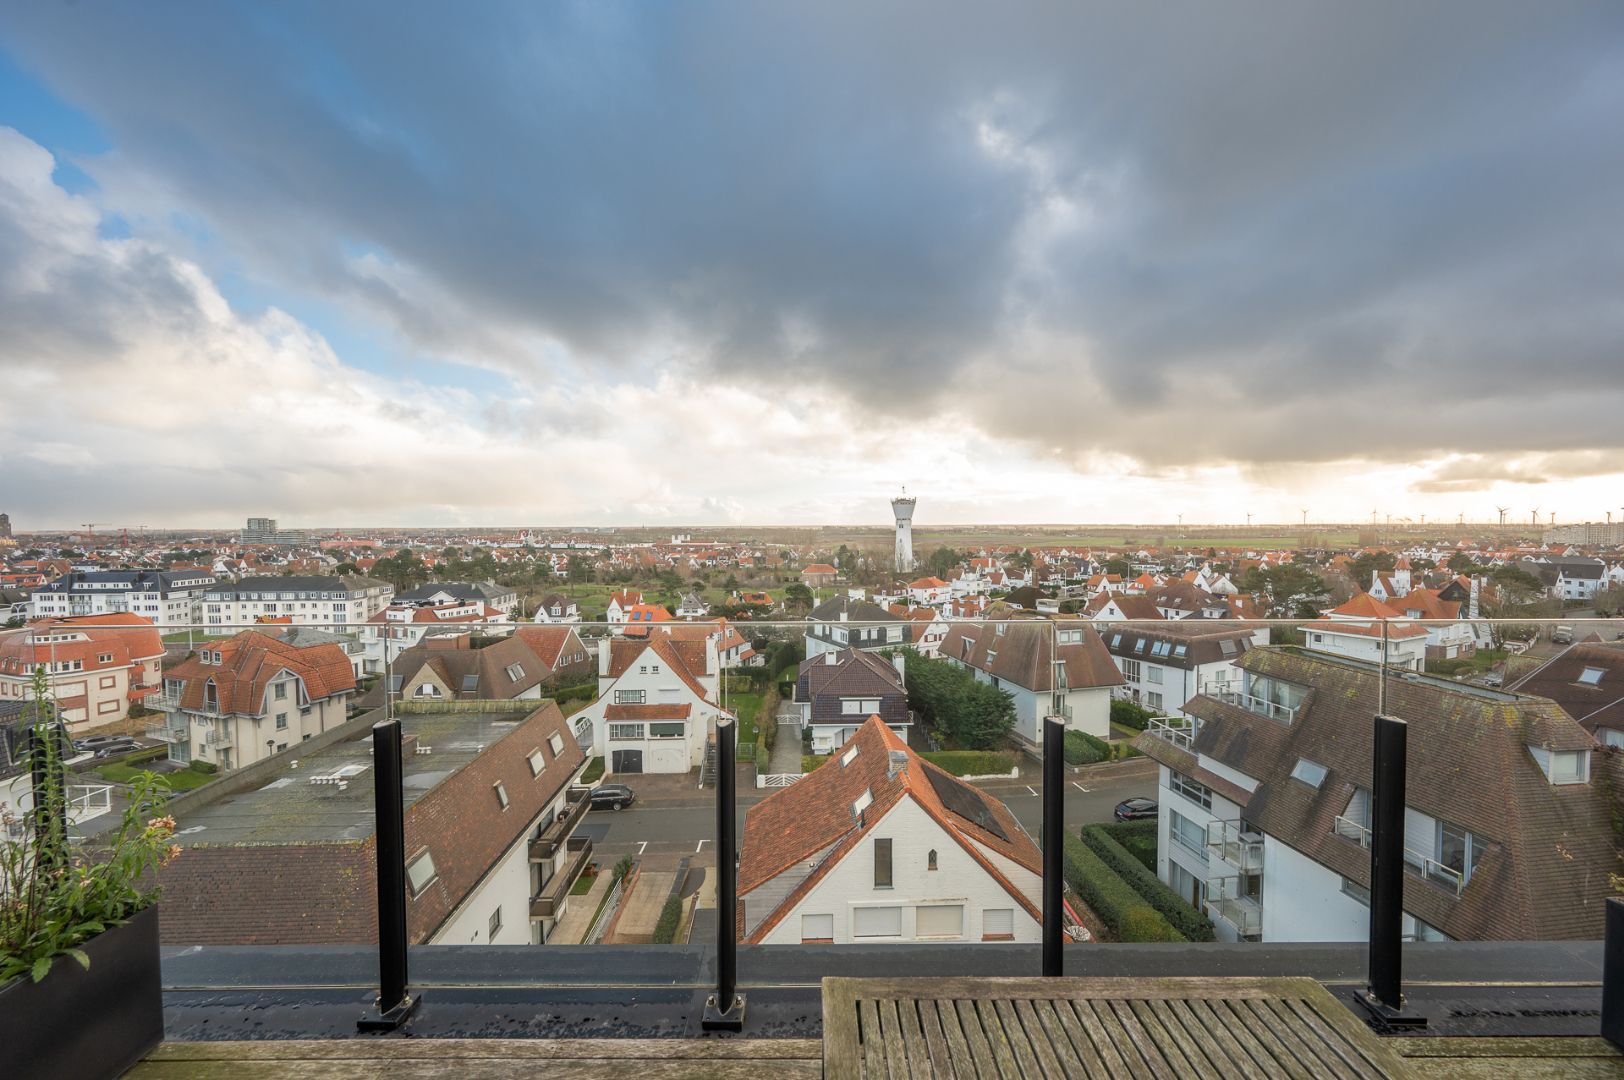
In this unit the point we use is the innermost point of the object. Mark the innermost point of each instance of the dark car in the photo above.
(117, 746)
(1135, 809)
(612, 797)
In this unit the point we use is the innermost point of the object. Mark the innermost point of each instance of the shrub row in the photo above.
(971, 762)
(1128, 714)
(1190, 923)
(763, 758)
(665, 930)
(1137, 837)
(578, 692)
(1125, 913)
(1084, 749)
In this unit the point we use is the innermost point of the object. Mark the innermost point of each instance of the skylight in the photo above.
(1309, 773)
(862, 802)
(846, 758)
(1591, 676)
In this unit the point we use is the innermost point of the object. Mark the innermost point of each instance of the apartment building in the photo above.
(403, 625)
(241, 700)
(880, 846)
(1018, 656)
(1369, 629)
(657, 704)
(313, 601)
(836, 693)
(167, 598)
(1266, 806)
(1165, 664)
(503, 598)
(284, 852)
(96, 665)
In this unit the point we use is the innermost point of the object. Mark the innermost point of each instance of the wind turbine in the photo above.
(1503, 511)
(1249, 519)
(1533, 517)
(1305, 516)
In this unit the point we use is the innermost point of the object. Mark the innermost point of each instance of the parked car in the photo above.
(117, 746)
(93, 743)
(1135, 809)
(612, 797)
(1563, 635)
(1492, 678)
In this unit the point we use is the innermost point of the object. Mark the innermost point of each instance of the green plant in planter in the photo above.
(54, 896)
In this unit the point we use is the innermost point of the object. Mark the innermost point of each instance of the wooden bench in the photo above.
(1173, 1028)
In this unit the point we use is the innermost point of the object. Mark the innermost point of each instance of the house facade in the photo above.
(166, 598)
(657, 704)
(836, 693)
(1165, 664)
(880, 846)
(96, 665)
(844, 622)
(1017, 656)
(303, 600)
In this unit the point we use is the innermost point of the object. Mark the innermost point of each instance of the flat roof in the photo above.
(309, 804)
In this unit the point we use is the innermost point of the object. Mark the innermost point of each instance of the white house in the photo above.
(167, 598)
(657, 704)
(1165, 664)
(878, 845)
(557, 609)
(1356, 630)
(1017, 657)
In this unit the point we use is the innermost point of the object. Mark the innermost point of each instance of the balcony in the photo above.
(223, 737)
(1179, 732)
(1434, 871)
(165, 733)
(1241, 849)
(545, 844)
(1254, 704)
(550, 902)
(1242, 912)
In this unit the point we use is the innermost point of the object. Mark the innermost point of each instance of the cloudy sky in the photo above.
(710, 263)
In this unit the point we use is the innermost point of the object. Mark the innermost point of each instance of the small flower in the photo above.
(171, 854)
(165, 824)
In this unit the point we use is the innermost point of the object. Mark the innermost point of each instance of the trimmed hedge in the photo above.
(1084, 749)
(665, 930)
(1190, 923)
(1128, 714)
(763, 758)
(971, 762)
(1124, 912)
(579, 692)
(1138, 838)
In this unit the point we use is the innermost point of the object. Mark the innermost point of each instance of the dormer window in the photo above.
(1564, 766)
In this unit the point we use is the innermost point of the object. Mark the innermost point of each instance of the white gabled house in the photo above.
(657, 704)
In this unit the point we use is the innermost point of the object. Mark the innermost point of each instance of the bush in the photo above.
(204, 767)
(1084, 749)
(577, 692)
(1190, 923)
(971, 714)
(786, 689)
(1125, 913)
(1119, 907)
(665, 930)
(1138, 838)
(1128, 714)
(623, 867)
(763, 758)
(971, 762)
(809, 762)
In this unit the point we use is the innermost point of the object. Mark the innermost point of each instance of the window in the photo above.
(1591, 676)
(861, 803)
(1458, 849)
(281, 691)
(939, 921)
(281, 721)
(1570, 766)
(877, 922)
(556, 741)
(501, 793)
(1153, 674)
(859, 706)
(1199, 794)
(1352, 888)
(882, 863)
(1186, 833)
(1154, 701)
(104, 658)
(846, 758)
(997, 924)
(1139, 645)
(470, 684)
(420, 873)
(817, 928)
(930, 860)
(1309, 773)
(1133, 670)
(625, 731)
(629, 697)
(495, 924)
(671, 729)
(1180, 650)
(428, 690)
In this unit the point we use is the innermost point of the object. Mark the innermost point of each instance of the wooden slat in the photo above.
(470, 1069)
(1311, 1018)
(980, 1048)
(1307, 1045)
(896, 1046)
(941, 1058)
(1026, 1058)
(1092, 1026)
(1139, 1039)
(1039, 1038)
(913, 1040)
(1244, 1018)
(1003, 1052)
(375, 1049)
(964, 1063)
(1255, 1057)
(1573, 1046)
(1181, 1057)
(1067, 1059)
(873, 1061)
(1219, 1045)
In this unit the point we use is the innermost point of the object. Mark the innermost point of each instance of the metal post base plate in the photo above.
(717, 1020)
(1383, 1015)
(375, 1019)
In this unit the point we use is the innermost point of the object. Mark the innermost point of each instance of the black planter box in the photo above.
(79, 1024)
(1612, 975)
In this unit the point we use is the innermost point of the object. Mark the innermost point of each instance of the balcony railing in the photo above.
(165, 733)
(221, 738)
(1179, 732)
(547, 842)
(1254, 704)
(1242, 912)
(550, 902)
(1429, 868)
(1242, 849)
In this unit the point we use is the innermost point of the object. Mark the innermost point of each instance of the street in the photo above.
(684, 822)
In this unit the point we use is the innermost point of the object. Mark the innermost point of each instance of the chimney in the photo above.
(899, 661)
(1471, 607)
(896, 762)
(831, 658)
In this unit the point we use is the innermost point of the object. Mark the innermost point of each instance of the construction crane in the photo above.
(90, 526)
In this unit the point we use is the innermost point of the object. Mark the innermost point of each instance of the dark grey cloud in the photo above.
(1297, 231)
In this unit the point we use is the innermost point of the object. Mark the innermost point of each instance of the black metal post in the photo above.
(724, 1010)
(1054, 826)
(395, 1003)
(1612, 975)
(1384, 996)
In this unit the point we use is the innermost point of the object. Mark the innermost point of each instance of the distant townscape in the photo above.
(889, 695)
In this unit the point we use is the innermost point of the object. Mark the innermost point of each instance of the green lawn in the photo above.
(179, 780)
(582, 886)
(747, 707)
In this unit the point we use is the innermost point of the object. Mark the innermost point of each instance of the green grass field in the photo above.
(179, 780)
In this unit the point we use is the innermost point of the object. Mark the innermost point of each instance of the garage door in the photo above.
(627, 761)
(668, 759)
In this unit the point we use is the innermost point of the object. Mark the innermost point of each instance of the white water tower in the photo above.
(903, 507)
